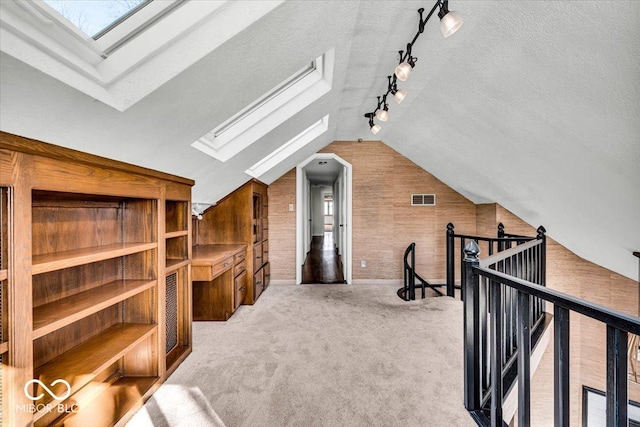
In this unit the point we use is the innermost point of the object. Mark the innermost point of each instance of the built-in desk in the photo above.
(219, 280)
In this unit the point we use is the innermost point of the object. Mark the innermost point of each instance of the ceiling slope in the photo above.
(534, 105)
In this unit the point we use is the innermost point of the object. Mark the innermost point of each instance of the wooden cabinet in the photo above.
(219, 280)
(241, 218)
(96, 301)
(177, 297)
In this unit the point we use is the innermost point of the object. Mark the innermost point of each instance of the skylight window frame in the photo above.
(287, 149)
(133, 23)
(269, 96)
(277, 107)
(115, 34)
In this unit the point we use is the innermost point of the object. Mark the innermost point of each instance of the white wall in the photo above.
(317, 210)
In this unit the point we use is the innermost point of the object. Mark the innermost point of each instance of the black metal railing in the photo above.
(503, 241)
(505, 283)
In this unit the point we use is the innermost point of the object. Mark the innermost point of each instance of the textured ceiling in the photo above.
(534, 105)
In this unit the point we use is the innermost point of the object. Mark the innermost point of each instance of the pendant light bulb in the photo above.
(375, 128)
(383, 114)
(400, 95)
(450, 22)
(403, 71)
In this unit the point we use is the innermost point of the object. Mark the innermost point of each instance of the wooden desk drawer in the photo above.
(240, 289)
(209, 272)
(239, 268)
(257, 256)
(239, 257)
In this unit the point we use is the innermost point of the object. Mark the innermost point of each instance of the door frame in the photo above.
(302, 213)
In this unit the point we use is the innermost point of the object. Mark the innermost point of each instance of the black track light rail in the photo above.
(406, 56)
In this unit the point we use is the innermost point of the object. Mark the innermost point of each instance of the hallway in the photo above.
(323, 264)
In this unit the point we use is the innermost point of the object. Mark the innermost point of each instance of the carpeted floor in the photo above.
(321, 355)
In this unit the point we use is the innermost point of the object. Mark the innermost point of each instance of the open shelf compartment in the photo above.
(82, 364)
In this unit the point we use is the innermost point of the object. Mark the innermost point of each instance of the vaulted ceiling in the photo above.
(534, 105)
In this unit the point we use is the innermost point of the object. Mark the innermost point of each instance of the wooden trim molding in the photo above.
(32, 146)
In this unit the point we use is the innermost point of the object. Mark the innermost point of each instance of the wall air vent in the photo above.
(423, 200)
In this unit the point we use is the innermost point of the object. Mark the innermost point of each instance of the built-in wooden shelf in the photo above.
(176, 356)
(65, 259)
(3, 275)
(110, 405)
(173, 234)
(174, 264)
(4, 347)
(83, 363)
(54, 315)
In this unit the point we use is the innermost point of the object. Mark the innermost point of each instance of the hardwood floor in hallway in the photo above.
(323, 264)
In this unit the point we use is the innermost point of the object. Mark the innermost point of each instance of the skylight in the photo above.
(129, 52)
(96, 17)
(289, 147)
(270, 110)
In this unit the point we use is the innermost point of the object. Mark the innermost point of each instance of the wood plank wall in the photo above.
(282, 227)
(384, 222)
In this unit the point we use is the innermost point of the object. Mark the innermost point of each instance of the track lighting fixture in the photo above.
(399, 95)
(403, 70)
(392, 88)
(383, 109)
(375, 128)
(450, 22)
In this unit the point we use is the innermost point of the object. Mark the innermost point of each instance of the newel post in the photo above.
(471, 289)
(451, 275)
(543, 255)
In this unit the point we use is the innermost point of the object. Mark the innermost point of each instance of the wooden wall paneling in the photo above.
(142, 359)
(54, 285)
(58, 342)
(282, 226)
(57, 229)
(384, 222)
(141, 221)
(226, 221)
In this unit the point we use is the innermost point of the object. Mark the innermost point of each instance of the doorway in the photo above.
(323, 220)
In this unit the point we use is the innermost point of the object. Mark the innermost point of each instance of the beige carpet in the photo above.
(321, 355)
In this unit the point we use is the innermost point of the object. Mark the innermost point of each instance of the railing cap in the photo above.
(471, 250)
(541, 232)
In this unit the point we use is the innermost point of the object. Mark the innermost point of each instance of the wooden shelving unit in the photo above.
(54, 315)
(71, 258)
(94, 258)
(178, 292)
(4, 282)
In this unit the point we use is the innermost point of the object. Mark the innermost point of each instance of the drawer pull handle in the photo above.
(242, 289)
(226, 264)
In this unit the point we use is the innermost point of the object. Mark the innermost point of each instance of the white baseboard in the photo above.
(394, 282)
